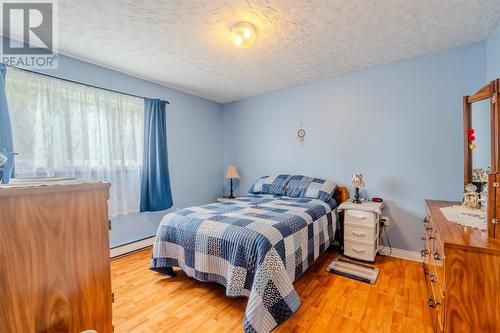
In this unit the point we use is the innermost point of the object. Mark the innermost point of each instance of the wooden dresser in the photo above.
(462, 269)
(54, 254)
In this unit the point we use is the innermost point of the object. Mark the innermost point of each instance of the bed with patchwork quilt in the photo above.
(255, 245)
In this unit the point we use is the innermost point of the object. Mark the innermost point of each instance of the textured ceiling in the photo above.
(186, 44)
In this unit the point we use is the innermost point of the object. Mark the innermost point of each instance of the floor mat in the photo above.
(354, 270)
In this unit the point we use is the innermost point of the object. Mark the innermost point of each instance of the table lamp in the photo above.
(232, 173)
(357, 182)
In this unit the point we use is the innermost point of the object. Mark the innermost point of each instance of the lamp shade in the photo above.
(231, 172)
(357, 180)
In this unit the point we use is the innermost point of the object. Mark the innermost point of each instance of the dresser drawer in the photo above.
(360, 250)
(437, 260)
(359, 217)
(360, 233)
(430, 300)
(436, 303)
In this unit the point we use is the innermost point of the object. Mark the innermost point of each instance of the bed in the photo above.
(255, 245)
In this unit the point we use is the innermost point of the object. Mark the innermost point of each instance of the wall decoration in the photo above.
(301, 134)
(471, 138)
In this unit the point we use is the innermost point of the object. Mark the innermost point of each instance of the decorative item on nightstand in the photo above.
(357, 182)
(361, 229)
(232, 173)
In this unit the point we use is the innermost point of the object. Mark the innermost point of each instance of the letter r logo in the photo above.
(31, 23)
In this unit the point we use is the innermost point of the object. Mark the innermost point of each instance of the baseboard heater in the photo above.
(137, 245)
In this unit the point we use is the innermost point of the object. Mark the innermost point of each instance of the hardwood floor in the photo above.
(146, 301)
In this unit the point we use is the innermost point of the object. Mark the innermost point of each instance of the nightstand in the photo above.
(361, 229)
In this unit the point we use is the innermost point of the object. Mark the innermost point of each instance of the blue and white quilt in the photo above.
(255, 246)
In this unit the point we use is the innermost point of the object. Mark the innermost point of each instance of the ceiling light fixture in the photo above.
(243, 35)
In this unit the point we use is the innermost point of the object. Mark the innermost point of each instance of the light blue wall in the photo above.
(194, 128)
(399, 124)
(493, 54)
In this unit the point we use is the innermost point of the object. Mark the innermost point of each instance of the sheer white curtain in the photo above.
(68, 129)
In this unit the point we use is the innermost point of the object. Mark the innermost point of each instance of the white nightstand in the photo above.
(361, 229)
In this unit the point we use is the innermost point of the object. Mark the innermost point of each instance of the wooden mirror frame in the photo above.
(490, 91)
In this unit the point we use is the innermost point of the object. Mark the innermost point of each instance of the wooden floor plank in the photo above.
(146, 301)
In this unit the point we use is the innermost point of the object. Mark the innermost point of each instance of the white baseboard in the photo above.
(131, 247)
(403, 254)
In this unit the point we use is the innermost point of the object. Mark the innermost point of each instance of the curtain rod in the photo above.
(84, 84)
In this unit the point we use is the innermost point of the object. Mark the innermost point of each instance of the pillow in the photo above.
(307, 187)
(271, 185)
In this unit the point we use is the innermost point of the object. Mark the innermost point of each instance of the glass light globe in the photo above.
(243, 35)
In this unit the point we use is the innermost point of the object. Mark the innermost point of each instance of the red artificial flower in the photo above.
(472, 138)
(470, 131)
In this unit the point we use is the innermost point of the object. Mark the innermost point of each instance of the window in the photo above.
(67, 129)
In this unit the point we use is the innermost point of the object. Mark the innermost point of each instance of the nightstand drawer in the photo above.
(359, 232)
(359, 217)
(359, 251)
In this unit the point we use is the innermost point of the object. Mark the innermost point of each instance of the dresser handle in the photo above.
(426, 271)
(433, 303)
(428, 228)
(355, 249)
(437, 256)
(424, 253)
(109, 224)
(426, 219)
(358, 234)
(432, 277)
(359, 217)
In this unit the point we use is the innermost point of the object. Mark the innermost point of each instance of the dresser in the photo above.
(361, 229)
(462, 270)
(54, 254)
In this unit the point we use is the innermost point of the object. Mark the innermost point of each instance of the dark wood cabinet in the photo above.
(494, 205)
(54, 254)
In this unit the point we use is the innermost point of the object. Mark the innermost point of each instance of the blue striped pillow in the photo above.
(270, 185)
(307, 187)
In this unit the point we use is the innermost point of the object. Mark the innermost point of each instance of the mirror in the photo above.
(481, 145)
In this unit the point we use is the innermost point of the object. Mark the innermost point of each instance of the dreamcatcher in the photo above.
(301, 135)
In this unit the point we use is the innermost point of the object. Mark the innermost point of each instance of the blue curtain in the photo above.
(155, 187)
(5, 127)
